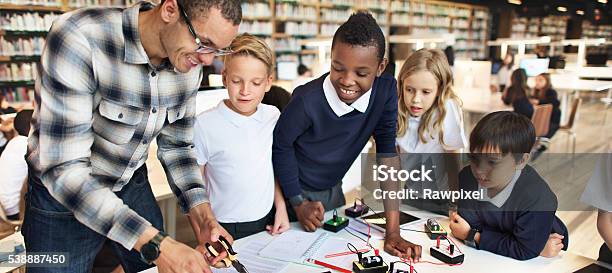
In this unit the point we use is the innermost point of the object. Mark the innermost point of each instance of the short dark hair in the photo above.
(22, 122)
(302, 69)
(230, 9)
(361, 29)
(509, 131)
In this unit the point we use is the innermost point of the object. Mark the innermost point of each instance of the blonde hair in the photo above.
(435, 62)
(249, 45)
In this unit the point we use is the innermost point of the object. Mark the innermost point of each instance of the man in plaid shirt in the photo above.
(112, 81)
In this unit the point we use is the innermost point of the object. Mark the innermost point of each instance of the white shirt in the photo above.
(339, 107)
(454, 134)
(237, 152)
(503, 75)
(598, 190)
(13, 172)
(2, 140)
(501, 197)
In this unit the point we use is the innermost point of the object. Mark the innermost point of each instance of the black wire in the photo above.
(408, 229)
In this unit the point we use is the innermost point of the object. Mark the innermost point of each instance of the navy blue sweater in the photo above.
(520, 228)
(314, 148)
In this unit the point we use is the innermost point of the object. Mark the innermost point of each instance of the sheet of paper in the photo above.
(248, 256)
(293, 245)
(334, 245)
(362, 230)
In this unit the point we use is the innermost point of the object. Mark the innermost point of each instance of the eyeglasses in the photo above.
(202, 49)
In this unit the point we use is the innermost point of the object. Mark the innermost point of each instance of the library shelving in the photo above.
(591, 31)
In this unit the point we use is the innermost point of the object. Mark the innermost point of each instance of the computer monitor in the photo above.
(472, 74)
(534, 67)
(597, 59)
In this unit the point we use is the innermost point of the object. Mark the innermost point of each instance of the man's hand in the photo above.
(208, 230)
(553, 246)
(459, 227)
(175, 257)
(281, 221)
(397, 246)
(310, 214)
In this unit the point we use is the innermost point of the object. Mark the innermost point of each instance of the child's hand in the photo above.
(281, 222)
(553, 246)
(397, 246)
(459, 227)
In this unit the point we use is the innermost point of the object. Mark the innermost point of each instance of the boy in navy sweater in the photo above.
(328, 122)
(516, 218)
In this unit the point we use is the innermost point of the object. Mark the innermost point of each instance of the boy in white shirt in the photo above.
(234, 145)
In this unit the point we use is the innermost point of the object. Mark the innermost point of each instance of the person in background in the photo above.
(7, 132)
(450, 55)
(13, 167)
(543, 93)
(503, 75)
(516, 94)
(278, 97)
(5, 110)
(304, 76)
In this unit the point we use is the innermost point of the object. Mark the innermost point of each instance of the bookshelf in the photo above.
(469, 24)
(284, 24)
(553, 25)
(591, 31)
(23, 27)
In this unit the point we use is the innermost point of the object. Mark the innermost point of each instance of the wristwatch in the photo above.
(296, 200)
(469, 241)
(149, 252)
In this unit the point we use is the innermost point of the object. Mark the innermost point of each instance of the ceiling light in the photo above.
(515, 2)
(561, 9)
(580, 12)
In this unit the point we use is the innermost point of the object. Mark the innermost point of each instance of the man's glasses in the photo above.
(202, 49)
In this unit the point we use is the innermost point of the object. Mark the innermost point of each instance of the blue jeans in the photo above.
(49, 227)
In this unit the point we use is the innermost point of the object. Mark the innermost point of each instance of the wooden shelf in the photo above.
(20, 58)
(35, 8)
(6, 84)
(23, 32)
(263, 18)
(309, 52)
(286, 35)
(295, 19)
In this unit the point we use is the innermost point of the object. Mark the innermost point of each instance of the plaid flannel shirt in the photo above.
(100, 103)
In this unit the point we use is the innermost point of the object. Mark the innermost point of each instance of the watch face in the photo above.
(149, 252)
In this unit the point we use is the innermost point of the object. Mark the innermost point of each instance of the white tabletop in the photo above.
(481, 101)
(475, 260)
(571, 82)
(15, 238)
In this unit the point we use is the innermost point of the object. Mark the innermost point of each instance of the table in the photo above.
(475, 260)
(17, 238)
(570, 83)
(478, 101)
